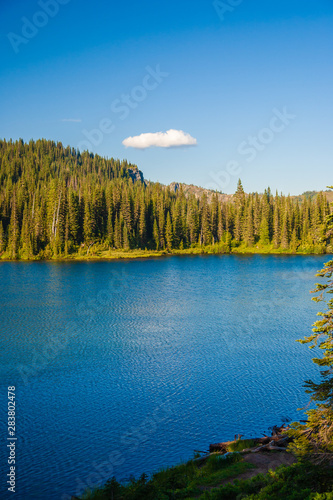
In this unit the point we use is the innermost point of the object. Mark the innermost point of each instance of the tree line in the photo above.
(55, 200)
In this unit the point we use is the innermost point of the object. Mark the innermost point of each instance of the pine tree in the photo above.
(248, 230)
(294, 242)
(168, 232)
(238, 224)
(89, 222)
(239, 194)
(257, 216)
(14, 231)
(193, 221)
(126, 244)
(314, 439)
(219, 225)
(316, 225)
(126, 211)
(183, 202)
(264, 232)
(285, 231)
(67, 239)
(156, 235)
(161, 223)
(276, 223)
(205, 224)
(142, 224)
(26, 234)
(2, 238)
(239, 197)
(110, 228)
(74, 217)
(118, 240)
(214, 217)
(305, 222)
(228, 217)
(40, 230)
(177, 224)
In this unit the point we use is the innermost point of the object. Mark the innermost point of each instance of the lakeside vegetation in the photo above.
(58, 203)
(186, 480)
(300, 481)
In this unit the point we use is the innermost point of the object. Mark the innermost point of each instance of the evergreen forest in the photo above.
(56, 202)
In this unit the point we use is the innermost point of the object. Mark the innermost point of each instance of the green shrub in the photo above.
(241, 444)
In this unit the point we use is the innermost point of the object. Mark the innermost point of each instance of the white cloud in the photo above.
(168, 139)
(77, 120)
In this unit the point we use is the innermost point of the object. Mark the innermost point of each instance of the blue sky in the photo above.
(250, 80)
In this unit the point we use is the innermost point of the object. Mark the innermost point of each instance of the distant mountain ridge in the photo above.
(198, 192)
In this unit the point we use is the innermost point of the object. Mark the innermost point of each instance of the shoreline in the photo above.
(119, 255)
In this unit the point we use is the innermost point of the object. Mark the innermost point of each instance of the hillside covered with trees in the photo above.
(57, 202)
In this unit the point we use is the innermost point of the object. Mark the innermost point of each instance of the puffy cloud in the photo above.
(168, 139)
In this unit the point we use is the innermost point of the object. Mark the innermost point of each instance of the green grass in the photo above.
(213, 478)
(241, 444)
(102, 251)
(184, 481)
(202, 480)
(118, 254)
(299, 481)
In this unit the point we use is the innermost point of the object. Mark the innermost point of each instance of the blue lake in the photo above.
(125, 367)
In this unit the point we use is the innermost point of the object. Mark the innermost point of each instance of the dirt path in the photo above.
(263, 462)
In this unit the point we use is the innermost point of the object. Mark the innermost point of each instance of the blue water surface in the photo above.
(123, 367)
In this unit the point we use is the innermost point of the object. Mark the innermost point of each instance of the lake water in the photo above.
(124, 367)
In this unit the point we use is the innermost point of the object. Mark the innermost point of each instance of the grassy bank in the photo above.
(188, 480)
(221, 477)
(102, 251)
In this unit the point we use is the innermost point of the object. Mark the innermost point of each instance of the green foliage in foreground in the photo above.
(314, 439)
(184, 481)
(295, 482)
(301, 481)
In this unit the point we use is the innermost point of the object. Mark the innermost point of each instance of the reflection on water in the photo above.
(124, 367)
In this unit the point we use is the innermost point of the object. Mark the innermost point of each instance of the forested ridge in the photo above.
(57, 202)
